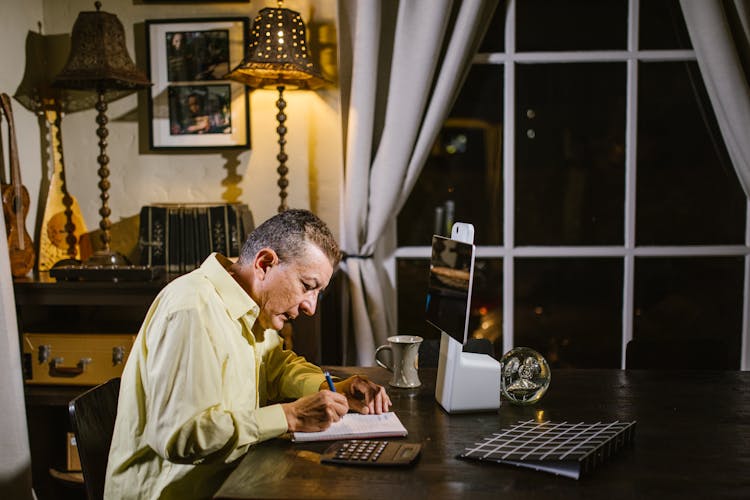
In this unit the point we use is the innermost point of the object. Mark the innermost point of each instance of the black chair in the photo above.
(92, 416)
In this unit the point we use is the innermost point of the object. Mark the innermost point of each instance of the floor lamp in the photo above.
(99, 62)
(278, 58)
(58, 232)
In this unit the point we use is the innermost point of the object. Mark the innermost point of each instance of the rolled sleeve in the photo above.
(271, 422)
(188, 421)
(197, 415)
(289, 376)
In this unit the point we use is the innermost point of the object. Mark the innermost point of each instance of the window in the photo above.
(584, 150)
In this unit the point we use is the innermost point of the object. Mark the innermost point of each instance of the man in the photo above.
(197, 121)
(208, 358)
(178, 58)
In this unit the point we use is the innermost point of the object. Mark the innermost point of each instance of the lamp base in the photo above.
(106, 258)
(69, 270)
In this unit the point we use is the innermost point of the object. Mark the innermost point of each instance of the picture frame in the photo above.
(191, 104)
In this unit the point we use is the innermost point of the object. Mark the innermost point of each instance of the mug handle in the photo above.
(380, 363)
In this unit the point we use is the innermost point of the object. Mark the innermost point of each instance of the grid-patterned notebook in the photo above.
(570, 450)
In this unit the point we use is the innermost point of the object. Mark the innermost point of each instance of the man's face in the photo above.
(291, 288)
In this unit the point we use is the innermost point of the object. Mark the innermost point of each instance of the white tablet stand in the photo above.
(466, 381)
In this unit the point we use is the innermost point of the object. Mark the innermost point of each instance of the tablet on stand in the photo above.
(466, 381)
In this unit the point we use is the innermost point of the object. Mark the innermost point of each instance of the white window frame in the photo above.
(629, 251)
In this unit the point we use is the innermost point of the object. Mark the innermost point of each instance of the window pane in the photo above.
(691, 299)
(486, 320)
(687, 189)
(462, 179)
(552, 25)
(485, 317)
(570, 154)
(494, 39)
(570, 310)
(481, 97)
(412, 278)
(662, 25)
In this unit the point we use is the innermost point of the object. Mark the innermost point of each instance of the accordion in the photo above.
(179, 236)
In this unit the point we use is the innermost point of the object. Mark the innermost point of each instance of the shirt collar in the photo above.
(239, 303)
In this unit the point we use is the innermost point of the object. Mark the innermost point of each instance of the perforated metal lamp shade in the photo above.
(45, 58)
(278, 58)
(278, 54)
(99, 58)
(99, 61)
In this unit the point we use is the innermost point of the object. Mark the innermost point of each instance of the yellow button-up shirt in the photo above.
(194, 389)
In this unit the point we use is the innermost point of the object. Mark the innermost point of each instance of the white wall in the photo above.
(138, 176)
(16, 18)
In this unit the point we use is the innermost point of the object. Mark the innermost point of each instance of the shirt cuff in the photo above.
(271, 422)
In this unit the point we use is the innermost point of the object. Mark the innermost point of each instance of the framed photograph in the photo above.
(191, 103)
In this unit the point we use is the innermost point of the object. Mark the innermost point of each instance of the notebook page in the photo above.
(356, 425)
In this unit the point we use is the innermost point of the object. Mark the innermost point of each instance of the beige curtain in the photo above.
(402, 64)
(15, 458)
(720, 33)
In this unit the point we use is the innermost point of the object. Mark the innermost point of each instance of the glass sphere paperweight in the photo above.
(525, 376)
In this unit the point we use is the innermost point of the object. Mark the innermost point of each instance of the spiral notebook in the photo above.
(562, 448)
(357, 426)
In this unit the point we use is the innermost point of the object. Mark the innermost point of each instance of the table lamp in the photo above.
(278, 57)
(62, 225)
(99, 62)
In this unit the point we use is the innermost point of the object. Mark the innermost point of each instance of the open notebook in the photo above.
(357, 426)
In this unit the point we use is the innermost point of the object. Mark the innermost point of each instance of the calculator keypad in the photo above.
(371, 452)
(361, 450)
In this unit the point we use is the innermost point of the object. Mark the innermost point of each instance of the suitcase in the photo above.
(74, 359)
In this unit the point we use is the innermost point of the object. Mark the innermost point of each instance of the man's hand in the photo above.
(363, 395)
(315, 412)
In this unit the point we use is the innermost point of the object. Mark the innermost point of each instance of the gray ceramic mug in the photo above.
(404, 360)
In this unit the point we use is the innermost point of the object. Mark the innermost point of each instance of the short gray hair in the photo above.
(286, 233)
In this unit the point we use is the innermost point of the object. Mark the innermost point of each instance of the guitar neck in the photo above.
(15, 169)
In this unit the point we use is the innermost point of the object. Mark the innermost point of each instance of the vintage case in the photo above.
(74, 358)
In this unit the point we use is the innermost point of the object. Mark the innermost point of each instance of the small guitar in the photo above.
(16, 205)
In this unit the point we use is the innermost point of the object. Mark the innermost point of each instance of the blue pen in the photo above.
(330, 382)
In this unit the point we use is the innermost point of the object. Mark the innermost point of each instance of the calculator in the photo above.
(371, 452)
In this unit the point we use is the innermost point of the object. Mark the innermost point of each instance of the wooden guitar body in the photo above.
(16, 206)
(20, 246)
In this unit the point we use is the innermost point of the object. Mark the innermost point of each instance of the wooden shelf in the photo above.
(44, 290)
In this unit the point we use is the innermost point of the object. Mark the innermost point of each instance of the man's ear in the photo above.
(265, 259)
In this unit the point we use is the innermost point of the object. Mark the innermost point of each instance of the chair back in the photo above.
(92, 416)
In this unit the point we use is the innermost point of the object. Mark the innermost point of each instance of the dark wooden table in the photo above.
(692, 440)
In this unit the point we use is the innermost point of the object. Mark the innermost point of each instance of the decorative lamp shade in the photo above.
(277, 53)
(99, 59)
(45, 58)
